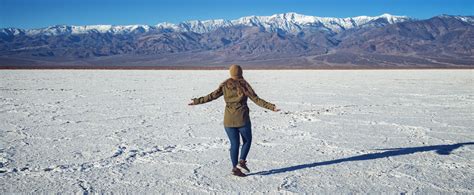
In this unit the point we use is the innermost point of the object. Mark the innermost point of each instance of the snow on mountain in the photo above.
(289, 22)
(12, 31)
(167, 25)
(65, 29)
(203, 26)
(467, 19)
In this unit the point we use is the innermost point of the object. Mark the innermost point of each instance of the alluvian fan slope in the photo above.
(288, 40)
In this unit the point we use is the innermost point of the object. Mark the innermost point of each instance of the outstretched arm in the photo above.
(259, 101)
(212, 96)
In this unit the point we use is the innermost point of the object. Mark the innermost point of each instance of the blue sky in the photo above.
(42, 13)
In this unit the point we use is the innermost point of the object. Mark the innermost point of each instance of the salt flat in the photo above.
(363, 131)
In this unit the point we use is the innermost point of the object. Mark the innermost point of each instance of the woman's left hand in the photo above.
(191, 103)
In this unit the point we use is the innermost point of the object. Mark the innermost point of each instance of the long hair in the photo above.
(241, 85)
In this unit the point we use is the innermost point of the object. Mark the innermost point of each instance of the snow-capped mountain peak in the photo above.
(467, 19)
(294, 22)
(290, 22)
(65, 29)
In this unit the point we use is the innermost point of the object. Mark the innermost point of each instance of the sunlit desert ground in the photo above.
(339, 131)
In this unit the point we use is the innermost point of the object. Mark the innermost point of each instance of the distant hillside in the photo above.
(286, 40)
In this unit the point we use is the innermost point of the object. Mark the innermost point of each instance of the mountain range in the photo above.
(288, 40)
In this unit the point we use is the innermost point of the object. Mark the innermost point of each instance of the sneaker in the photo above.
(237, 172)
(243, 166)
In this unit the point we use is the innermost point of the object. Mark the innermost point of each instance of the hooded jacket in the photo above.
(236, 110)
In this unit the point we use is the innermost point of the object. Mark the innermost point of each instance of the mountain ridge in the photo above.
(280, 40)
(204, 26)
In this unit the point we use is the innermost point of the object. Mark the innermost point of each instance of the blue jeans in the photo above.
(234, 134)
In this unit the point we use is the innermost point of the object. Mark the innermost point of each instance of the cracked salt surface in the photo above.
(388, 131)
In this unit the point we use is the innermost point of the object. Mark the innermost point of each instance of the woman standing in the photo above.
(237, 123)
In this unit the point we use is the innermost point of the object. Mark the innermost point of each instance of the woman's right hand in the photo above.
(276, 109)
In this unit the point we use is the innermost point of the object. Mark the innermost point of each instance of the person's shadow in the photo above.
(440, 149)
